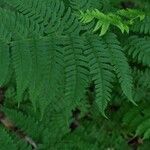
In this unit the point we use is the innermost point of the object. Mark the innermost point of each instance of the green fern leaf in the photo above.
(139, 49)
(100, 70)
(104, 20)
(36, 72)
(142, 27)
(120, 63)
(53, 63)
(76, 73)
(77, 5)
(22, 64)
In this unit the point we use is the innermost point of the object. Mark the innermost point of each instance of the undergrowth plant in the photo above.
(74, 75)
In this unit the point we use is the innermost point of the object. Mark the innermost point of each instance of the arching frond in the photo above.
(120, 63)
(100, 70)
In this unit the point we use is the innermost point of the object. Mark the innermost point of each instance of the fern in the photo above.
(65, 67)
(76, 72)
(139, 121)
(22, 65)
(138, 49)
(142, 27)
(101, 71)
(120, 64)
(104, 21)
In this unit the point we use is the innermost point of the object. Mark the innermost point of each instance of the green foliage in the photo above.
(138, 120)
(65, 87)
(6, 140)
(138, 49)
(121, 19)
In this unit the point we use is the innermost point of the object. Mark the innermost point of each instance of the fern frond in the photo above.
(66, 24)
(54, 15)
(22, 64)
(104, 21)
(53, 63)
(28, 8)
(76, 72)
(36, 72)
(142, 27)
(18, 26)
(42, 13)
(139, 49)
(77, 5)
(47, 60)
(100, 70)
(120, 63)
(70, 23)
(116, 19)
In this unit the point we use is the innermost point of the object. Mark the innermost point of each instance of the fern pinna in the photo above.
(66, 66)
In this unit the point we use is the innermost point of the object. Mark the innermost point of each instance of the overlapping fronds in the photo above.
(65, 67)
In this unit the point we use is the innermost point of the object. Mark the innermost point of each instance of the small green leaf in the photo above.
(105, 27)
(98, 26)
